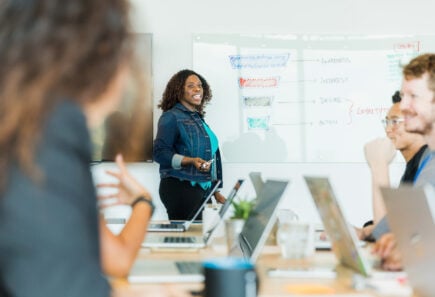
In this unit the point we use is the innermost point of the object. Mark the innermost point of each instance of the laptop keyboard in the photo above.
(178, 239)
(167, 226)
(189, 267)
(119, 221)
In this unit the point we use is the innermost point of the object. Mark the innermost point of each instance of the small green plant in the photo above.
(242, 208)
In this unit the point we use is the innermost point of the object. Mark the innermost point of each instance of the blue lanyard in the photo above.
(422, 165)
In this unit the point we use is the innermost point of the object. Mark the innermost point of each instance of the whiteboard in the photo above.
(301, 98)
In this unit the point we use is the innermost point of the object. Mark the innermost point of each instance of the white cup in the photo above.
(210, 217)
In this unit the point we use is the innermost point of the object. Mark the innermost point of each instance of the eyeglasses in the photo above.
(393, 123)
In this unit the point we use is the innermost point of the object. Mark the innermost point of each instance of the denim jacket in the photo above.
(181, 133)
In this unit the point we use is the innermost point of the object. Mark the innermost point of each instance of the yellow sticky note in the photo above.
(309, 289)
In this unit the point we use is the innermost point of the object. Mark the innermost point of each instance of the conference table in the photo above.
(346, 283)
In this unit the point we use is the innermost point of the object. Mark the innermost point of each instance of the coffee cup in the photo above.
(230, 277)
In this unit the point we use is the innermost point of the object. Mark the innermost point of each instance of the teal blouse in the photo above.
(214, 147)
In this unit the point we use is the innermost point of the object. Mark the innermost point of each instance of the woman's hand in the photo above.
(128, 187)
(219, 197)
(118, 252)
(200, 164)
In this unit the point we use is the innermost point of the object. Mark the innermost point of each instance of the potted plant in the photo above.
(233, 226)
(242, 208)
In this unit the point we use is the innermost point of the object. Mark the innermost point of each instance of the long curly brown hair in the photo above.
(174, 91)
(51, 50)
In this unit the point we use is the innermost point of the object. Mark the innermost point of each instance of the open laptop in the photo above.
(159, 241)
(257, 181)
(252, 239)
(184, 226)
(411, 217)
(261, 219)
(342, 235)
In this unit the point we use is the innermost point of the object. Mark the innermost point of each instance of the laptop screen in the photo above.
(224, 209)
(257, 181)
(207, 195)
(261, 219)
(341, 234)
(411, 216)
(230, 197)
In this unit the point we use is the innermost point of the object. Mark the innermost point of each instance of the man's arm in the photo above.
(379, 153)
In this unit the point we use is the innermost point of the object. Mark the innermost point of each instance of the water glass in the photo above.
(294, 237)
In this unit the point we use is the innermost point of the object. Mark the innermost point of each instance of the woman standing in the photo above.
(185, 146)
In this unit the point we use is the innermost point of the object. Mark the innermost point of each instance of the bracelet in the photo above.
(143, 199)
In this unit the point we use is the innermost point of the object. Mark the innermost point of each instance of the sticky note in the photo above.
(309, 289)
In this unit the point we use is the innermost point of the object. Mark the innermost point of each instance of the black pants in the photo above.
(180, 198)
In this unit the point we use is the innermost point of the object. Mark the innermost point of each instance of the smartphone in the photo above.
(207, 163)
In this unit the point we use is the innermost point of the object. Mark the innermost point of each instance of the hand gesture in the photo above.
(128, 187)
(380, 151)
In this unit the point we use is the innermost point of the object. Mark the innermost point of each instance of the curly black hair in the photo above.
(174, 91)
(396, 97)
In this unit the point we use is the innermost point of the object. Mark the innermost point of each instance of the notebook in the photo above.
(342, 236)
(252, 239)
(411, 217)
(159, 241)
(184, 226)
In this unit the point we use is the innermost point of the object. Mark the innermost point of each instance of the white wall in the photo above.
(173, 22)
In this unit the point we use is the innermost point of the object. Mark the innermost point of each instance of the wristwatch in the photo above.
(145, 200)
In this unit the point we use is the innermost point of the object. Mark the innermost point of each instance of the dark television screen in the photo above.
(129, 129)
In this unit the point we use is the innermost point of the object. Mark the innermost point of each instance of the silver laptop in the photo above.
(159, 241)
(411, 217)
(261, 219)
(184, 226)
(252, 239)
(342, 235)
(257, 181)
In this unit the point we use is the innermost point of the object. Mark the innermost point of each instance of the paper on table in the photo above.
(303, 273)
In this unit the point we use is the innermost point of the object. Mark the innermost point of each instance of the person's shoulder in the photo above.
(174, 113)
(66, 123)
(427, 174)
(67, 112)
(431, 160)
(168, 115)
(424, 151)
(178, 108)
(419, 156)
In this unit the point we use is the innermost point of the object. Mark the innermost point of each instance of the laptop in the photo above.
(345, 243)
(261, 219)
(411, 217)
(257, 181)
(159, 241)
(184, 226)
(252, 239)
